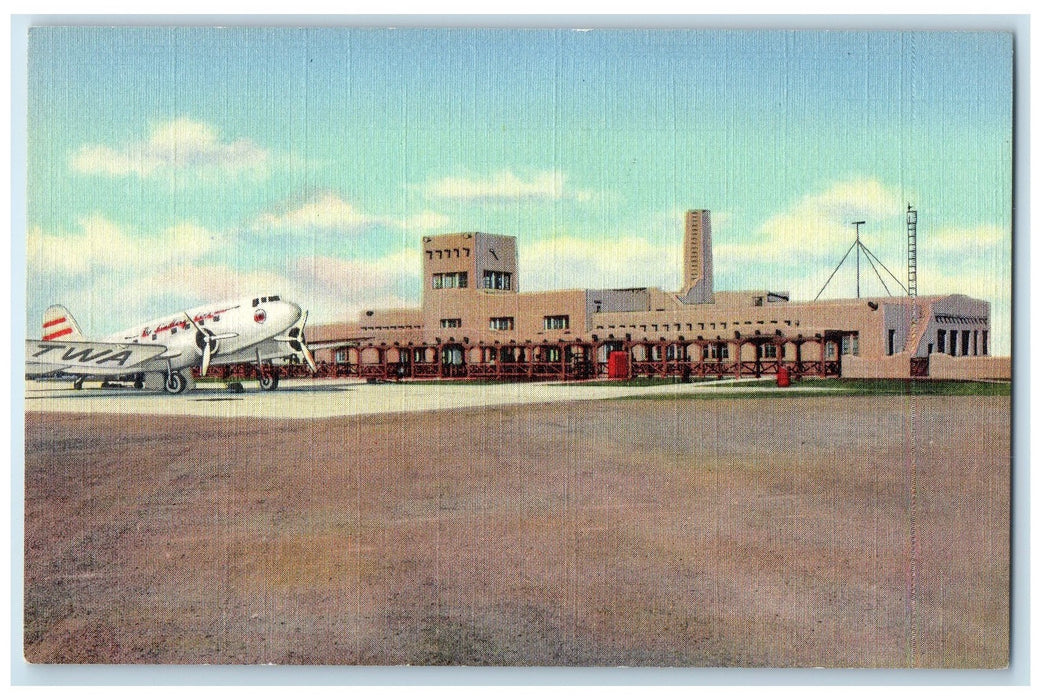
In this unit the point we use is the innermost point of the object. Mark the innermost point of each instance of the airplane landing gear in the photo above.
(269, 379)
(78, 384)
(175, 383)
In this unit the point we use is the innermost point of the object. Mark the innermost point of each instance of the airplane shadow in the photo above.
(200, 393)
(310, 389)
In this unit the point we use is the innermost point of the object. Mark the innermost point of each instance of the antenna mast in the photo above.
(858, 224)
(872, 260)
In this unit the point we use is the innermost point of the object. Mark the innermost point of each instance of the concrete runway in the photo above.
(325, 398)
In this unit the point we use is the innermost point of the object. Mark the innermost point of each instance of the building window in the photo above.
(829, 350)
(983, 338)
(492, 279)
(341, 357)
(767, 351)
(450, 280)
(891, 346)
(556, 323)
(451, 323)
(851, 345)
(501, 323)
(716, 351)
(941, 339)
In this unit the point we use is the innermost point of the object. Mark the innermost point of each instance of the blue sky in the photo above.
(169, 167)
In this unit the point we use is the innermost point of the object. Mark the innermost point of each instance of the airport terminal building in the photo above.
(475, 321)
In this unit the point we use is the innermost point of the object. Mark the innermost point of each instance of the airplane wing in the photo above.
(84, 357)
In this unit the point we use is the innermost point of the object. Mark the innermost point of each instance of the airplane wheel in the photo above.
(269, 380)
(175, 383)
(139, 383)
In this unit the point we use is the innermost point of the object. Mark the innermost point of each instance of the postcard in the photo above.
(518, 347)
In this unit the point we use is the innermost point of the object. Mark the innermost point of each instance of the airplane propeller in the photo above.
(295, 337)
(207, 341)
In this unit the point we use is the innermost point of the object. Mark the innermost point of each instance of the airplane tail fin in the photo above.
(59, 323)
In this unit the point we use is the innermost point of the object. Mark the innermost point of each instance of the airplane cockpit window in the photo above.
(275, 298)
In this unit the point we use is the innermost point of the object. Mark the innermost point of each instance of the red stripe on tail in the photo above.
(52, 336)
(55, 322)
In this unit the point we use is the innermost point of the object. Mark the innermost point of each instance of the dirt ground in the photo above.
(749, 532)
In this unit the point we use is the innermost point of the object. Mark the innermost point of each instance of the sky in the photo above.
(170, 167)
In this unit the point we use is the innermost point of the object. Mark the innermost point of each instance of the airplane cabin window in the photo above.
(256, 301)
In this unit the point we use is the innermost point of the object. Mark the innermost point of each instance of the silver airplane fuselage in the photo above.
(245, 327)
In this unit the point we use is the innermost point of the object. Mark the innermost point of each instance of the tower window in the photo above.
(450, 280)
(493, 279)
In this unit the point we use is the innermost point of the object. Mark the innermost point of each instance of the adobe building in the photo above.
(475, 321)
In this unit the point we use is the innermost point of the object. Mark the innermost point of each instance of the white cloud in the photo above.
(609, 262)
(100, 245)
(177, 146)
(505, 185)
(954, 243)
(206, 283)
(818, 225)
(796, 250)
(330, 212)
(340, 289)
(326, 212)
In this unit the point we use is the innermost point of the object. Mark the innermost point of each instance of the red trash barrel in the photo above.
(618, 365)
(782, 377)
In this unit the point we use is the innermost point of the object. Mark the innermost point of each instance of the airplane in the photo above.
(250, 330)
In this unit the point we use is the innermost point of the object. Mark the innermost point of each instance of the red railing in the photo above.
(575, 368)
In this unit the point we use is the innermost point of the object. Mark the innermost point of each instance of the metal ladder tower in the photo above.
(912, 252)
